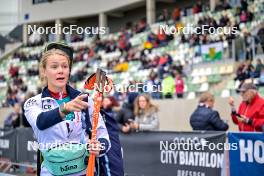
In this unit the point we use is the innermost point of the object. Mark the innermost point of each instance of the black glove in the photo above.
(263, 128)
(250, 121)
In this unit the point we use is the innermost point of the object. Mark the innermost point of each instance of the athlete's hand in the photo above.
(77, 104)
(94, 147)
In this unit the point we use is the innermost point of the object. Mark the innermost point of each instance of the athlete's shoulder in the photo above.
(33, 101)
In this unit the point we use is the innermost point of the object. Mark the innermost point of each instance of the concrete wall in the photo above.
(116, 23)
(8, 15)
(4, 112)
(68, 9)
(175, 114)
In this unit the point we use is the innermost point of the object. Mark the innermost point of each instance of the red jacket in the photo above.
(254, 111)
(179, 85)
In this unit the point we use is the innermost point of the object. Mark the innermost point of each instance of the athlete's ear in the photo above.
(44, 73)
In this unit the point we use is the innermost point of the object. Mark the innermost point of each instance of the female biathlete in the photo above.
(61, 118)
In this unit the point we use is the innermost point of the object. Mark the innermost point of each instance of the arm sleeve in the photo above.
(259, 121)
(119, 117)
(153, 125)
(234, 118)
(102, 133)
(217, 122)
(39, 119)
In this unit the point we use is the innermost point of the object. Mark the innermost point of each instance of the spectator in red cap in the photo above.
(250, 114)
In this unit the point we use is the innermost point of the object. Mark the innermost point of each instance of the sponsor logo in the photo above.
(31, 102)
(47, 107)
(67, 168)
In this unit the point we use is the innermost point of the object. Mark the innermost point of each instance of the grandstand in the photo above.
(216, 76)
(135, 51)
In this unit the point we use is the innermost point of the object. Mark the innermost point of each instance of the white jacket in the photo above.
(45, 107)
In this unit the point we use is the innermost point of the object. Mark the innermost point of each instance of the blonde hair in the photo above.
(43, 63)
(205, 97)
(150, 106)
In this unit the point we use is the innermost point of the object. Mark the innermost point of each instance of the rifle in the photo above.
(98, 82)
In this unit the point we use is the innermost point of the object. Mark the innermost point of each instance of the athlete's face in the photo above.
(57, 72)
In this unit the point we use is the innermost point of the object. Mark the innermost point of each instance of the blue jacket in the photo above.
(205, 118)
(111, 164)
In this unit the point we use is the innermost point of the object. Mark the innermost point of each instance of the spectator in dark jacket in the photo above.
(112, 162)
(204, 117)
(126, 115)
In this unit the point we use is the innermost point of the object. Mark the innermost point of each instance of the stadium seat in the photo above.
(191, 95)
(231, 85)
(225, 93)
(208, 71)
(204, 87)
(261, 91)
(222, 69)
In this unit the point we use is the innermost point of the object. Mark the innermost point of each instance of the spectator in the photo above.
(243, 17)
(13, 119)
(13, 71)
(240, 48)
(126, 115)
(244, 71)
(244, 5)
(11, 98)
(204, 117)
(141, 26)
(156, 94)
(226, 5)
(164, 16)
(146, 117)
(149, 88)
(168, 86)
(187, 69)
(176, 14)
(179, 86)
(196, 9)
(261, 78)
(261, 38)
(250, 114)
(2, 78)
(259, 67)
(223, 5)
(249, 69)
(112, 162)
(17, 81)
(162, 38)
